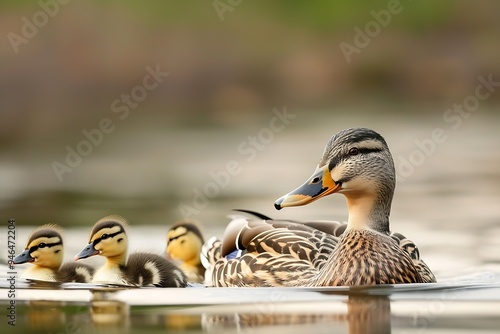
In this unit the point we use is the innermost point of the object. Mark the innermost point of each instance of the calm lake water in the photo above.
(446, 201)
(466, 304)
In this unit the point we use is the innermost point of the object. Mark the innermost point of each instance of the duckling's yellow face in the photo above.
(43, 249)
(184, 245)
(107, 238)
(110, 241)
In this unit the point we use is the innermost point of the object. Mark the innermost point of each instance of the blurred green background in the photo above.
(229, 67)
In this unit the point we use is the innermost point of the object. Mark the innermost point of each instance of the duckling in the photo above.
(184, 242)
(45, 250)
(108, 238)
(356, 163)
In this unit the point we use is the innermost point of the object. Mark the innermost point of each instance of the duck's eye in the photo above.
(315, 180)
(42, 245)
(354, 151)
(183, 241)
(104, 236)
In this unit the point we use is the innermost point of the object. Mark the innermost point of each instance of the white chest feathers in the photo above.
(109, 275)
(40, 273)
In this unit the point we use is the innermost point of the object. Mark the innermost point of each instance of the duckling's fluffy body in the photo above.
(45, 250)
(108, 238)
(356, 163)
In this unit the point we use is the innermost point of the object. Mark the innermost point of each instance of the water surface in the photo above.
(448, 205)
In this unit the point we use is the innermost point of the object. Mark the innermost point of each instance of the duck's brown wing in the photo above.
(334, 228)
(328, 226)
(241, 230)
(273, 253)
(412, 249)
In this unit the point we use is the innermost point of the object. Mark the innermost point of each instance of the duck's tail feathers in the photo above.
(254, 213)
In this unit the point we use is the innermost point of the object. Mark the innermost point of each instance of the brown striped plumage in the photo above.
(285, 248)
(356, 163)
(287, 253)
(366, 258)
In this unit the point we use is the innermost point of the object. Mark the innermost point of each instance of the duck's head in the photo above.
(184, 242)
(108, 238)
(358, 164)
(44, 248)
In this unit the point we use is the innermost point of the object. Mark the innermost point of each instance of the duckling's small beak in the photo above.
(88, 251)
(318, 185)
(23, 257)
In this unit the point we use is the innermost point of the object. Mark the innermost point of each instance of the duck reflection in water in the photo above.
(365, 314)
(107, 313)
(44, 316)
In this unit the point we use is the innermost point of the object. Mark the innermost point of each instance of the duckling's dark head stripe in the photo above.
(107, 236)
(176, 237)
(44, 244)
(44, 233)
(190, 227)
(105, 224)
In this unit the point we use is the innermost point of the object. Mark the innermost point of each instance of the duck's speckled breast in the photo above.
(365, 257)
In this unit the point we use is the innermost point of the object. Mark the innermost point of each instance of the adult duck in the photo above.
(356, 163)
